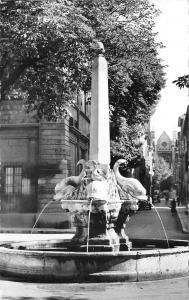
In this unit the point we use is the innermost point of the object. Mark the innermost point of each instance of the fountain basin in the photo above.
(51, 261)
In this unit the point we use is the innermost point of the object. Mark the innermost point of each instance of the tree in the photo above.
(162, 172)
(167, 183)
(182, 81)
(135, 71)
(44, 53)
(126, 143)
(48, 46)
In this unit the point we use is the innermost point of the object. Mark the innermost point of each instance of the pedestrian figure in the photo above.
(173, 206)
(167, 198)
(178, 201)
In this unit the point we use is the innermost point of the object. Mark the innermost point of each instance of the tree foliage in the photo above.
(166, 184)
(48, 46)
(182, 81)
(45, 52)
(126, 143)
(162, 170)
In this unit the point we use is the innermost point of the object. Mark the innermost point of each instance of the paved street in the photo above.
(172, 289)
(146, 224)
(143, 224)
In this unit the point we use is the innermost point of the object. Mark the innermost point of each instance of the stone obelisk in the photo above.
(100, 128)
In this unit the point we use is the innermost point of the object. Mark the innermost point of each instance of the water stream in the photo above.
(165, 233)
(51, 201)
(88, 228)
(89, 217)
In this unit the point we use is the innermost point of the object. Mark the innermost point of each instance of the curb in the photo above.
(182, 223)
(36, 231)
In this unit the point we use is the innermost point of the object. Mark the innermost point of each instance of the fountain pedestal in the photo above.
(99, 227)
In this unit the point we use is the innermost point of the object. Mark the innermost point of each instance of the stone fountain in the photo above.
(100, 200)
(95, 195)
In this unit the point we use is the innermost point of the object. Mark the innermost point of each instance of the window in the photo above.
(13, 180)
(164, 144)
(83, 154)
(18, 191)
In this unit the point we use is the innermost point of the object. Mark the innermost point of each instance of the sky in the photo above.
(173, 28)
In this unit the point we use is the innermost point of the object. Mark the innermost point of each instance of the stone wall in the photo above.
(18, 151)
(53, 148)
(42, 148)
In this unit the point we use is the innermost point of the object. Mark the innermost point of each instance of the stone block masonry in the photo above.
(53, 148)
(38, 149)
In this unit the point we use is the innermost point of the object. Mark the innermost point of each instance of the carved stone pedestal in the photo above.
(99, 230)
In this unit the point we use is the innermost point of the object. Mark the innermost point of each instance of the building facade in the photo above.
(34, 156)
(183, 157)
(164, 148)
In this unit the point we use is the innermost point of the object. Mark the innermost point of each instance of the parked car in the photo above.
(145, 205)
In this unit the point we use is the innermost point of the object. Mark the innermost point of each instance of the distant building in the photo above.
(164, 148)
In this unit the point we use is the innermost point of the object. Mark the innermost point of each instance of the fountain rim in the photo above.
(60, 266)
(95, 201)
(4, 247)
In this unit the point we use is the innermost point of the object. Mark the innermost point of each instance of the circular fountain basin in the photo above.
(51, 261)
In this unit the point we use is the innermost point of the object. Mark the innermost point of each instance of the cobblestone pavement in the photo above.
(172, 289)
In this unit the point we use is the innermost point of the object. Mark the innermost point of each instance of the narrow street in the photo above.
(146, 224)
